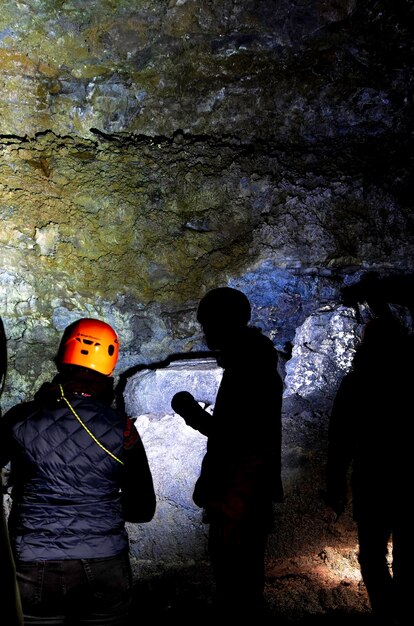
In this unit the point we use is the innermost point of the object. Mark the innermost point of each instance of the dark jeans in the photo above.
(237, 554)
(93, 592)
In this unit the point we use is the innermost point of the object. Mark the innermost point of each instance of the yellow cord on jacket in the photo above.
(86, 428)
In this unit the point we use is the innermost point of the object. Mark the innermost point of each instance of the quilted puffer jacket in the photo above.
(66, 489)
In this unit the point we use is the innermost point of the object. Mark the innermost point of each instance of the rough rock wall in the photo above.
(152, 150)
(136, 233)
(294, 71)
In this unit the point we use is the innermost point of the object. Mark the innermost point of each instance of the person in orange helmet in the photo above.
(78, 472)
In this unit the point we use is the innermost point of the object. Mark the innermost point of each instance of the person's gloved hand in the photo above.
(185, 405)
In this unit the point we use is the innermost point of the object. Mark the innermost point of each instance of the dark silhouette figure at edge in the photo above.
(241, 472)
(370, 443)
(10, 605)
(79, 471)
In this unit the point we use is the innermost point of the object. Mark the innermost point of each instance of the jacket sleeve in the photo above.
(137, 488)
(184, 404)
(200, 420)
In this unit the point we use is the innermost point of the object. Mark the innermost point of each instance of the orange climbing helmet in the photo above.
(90, 343)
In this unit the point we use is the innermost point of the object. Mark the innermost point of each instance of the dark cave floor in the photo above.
(186, 598)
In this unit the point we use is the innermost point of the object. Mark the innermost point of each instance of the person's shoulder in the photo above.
(17, 412)
(256, 344)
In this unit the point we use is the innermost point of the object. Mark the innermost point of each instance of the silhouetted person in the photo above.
(370, 431)
(378, 292)
(78, 472)
(241, 471)
(10, 607)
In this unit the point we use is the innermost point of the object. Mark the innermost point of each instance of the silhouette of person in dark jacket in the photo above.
(10, 605)
(370, 439)
(79, 471)
(241, 471)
